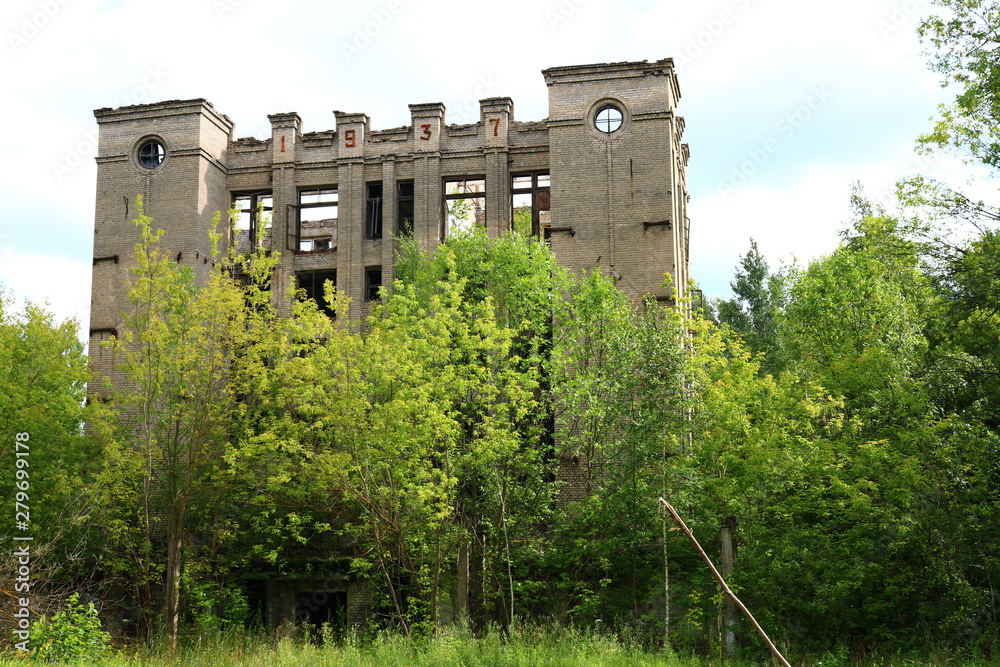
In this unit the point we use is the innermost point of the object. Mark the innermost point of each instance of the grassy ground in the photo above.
(525, 648)
(566, 647)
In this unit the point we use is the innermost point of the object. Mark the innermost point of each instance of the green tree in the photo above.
(43, 382)
(418, 437)
(897, 478)
(752, 439)
(962, 49)
(855, 322)
(71, 634)
(505, 501)
(177, 410)
(759, 298)
(959, 243)
(619, 400)
(964, 52)
(967, 340)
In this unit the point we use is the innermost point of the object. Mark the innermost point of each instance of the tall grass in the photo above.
(523, 646)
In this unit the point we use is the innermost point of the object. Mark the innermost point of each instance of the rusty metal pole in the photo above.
(722, 582)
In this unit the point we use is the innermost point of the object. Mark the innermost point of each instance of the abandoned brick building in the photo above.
(602, 179)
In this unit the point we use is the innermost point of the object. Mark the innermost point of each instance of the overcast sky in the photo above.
(787, 103)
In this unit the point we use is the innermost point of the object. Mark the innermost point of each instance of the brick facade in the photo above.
(608, 191)
(617, 201)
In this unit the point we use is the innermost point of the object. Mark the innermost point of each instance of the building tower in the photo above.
(173, 155)
(619, 194)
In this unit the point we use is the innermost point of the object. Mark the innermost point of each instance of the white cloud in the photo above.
(743, 65)
(797, 222)
(62, 285)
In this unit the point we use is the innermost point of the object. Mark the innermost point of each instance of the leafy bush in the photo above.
(71, 634)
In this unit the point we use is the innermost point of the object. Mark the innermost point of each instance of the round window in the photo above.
(608, 118)
(151, 154)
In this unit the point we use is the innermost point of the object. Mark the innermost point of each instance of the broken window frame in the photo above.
(259, 203)
(476, 197)
(405, 208)
(151, 154)
(373, 282)
(539, 189)
(315, 289)
(326, 197)
(373, 210)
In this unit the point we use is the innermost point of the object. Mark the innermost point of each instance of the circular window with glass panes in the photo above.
(151, 153)
(609, 118)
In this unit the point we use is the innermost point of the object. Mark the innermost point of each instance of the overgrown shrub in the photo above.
(72, 634)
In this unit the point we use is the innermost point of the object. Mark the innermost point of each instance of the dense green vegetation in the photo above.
(499, 417)
(520, 647)
(858, 454)
(517, 646)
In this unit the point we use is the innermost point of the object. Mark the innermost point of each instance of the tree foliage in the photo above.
(491, 443)
(71, 634)
(759, 298)
(177, 407)
(43, 381)
(964, 51)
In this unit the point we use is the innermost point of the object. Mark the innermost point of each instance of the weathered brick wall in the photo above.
(359, 602)
(617, 192)
(181, 194)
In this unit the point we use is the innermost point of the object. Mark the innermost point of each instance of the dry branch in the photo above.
(722, 582)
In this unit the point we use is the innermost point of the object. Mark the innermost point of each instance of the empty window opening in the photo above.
(404, 208)
(465, 203)
(316, 244)
(319, 607)
(666, 301)
(530, 207)
(373, 210)
(253, 220)
(256, 592)
(313, 284)
(373, 281)
(316, 223)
